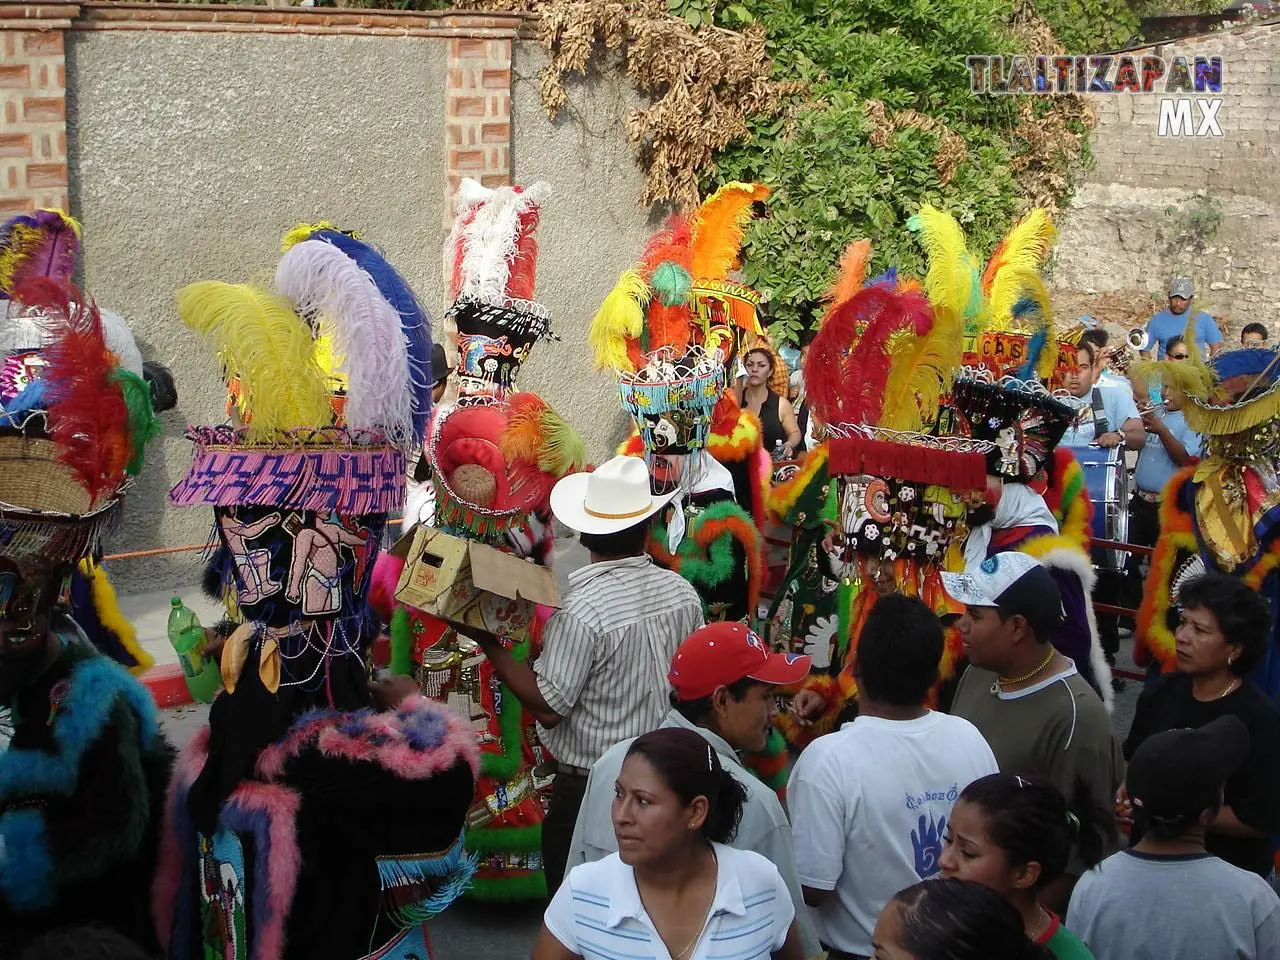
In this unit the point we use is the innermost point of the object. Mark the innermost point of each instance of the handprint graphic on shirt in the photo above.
(927, 841)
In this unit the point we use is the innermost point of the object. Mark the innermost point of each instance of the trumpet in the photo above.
(1137, 341)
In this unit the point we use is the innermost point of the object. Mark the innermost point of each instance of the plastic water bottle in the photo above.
(187, 636)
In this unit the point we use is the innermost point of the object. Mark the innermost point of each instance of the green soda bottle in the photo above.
(187, 635)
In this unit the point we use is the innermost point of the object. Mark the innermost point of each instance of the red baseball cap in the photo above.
(723, 653)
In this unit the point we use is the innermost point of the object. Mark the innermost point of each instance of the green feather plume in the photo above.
(144, 425)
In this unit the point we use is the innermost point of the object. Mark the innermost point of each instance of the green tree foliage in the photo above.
(832, 184)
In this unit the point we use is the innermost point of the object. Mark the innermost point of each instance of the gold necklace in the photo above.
(1041, 926)
(1231, 685)
(1005, 681)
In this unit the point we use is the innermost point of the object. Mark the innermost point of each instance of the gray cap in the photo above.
(1182, 287)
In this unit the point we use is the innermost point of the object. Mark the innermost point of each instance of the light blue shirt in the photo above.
(1117, 404)
(1167, 324)
(1155, 466)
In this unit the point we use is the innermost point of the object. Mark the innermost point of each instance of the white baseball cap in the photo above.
(1015, 582)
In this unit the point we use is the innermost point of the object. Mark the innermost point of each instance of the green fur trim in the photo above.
(401, 643)
(505, 839)
(503, 766)
(714, 565)
(531, 886)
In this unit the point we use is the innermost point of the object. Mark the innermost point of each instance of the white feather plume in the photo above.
(482, 242)
(320, 278)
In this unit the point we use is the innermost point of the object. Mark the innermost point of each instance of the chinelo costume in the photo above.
(670, 330)
(493, 456)
(83, 764)
(884, 486)
(1223, 513)
(1007, 394)
(46, 243)
(302, 823)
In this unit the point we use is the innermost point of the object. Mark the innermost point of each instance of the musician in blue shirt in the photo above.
(1108, 418)
(1097, 400)
(1173, 320)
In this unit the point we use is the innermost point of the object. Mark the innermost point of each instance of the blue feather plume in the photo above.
(889, 279)
(35, 396)
(1029, 306)
(415, 321)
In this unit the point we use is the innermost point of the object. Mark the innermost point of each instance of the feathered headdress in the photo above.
(44, 243)
(73, 434)
(492, 257)
(1004, 319)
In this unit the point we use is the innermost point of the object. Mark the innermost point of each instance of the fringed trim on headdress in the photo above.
(417, 888)
(1210, 420)
(857, 454)
(330, 469)
(54, 537)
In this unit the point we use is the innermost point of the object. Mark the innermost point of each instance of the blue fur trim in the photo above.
(95, 686)
(26, 869)
(455, 868)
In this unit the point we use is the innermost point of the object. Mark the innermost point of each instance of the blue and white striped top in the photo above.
(598, 915)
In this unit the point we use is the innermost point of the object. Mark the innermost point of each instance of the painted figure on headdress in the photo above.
(83, 764)
(671, 330)
(491, 460)
(1008, 393)
(318, 814)
(1223, 513)
(881, 504)
(46, 243)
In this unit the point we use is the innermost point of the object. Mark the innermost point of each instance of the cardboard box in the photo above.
(471, 583)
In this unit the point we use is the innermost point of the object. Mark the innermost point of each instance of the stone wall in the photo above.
(1138, 219)
(189, 138)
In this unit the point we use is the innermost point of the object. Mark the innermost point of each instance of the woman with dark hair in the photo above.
(673, 878)
(952, 920)
(1221, 636)
(777, 417)
(1016, 835)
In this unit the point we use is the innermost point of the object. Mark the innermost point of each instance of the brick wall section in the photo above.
(478, 112)
(33, 126)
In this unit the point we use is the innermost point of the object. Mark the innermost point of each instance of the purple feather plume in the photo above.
(45, 243)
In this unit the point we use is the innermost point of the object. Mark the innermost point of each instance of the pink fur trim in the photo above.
(173, 851)
(280, 804)
(458, 743)
(382, 588)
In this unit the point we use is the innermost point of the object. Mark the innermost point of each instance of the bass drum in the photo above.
(1107, 480)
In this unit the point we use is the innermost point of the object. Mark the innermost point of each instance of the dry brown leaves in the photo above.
(950, 152)
(704, 84)
(1053, 140)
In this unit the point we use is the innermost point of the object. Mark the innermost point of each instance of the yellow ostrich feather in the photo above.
(263, 343)
(1025, 247)
(302, 231)
(1193, 379)
(949, 281)
(107, 606)
(718, 229)
(330, 363)
(920, 372)
(621, 316)
(853, 269)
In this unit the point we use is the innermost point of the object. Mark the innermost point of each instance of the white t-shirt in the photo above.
(869, 805)
(598, 915)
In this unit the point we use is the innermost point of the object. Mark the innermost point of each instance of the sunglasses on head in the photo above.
(1177, 356)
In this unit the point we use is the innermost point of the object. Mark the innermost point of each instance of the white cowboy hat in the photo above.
(613, 497)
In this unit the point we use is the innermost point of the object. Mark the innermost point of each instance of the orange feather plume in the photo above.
(853, 269)
(719, 226)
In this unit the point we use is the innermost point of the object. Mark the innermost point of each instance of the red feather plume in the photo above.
(520, 281)
(669, 326)
(669, 245)
(87, 415)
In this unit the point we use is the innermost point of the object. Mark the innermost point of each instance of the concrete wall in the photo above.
(1126, 230)
(592, 229)
(196, 136)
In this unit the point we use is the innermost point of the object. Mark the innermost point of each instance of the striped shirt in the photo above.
(597, 913)
(605, 655)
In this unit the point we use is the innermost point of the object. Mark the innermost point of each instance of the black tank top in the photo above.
(771, 423)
